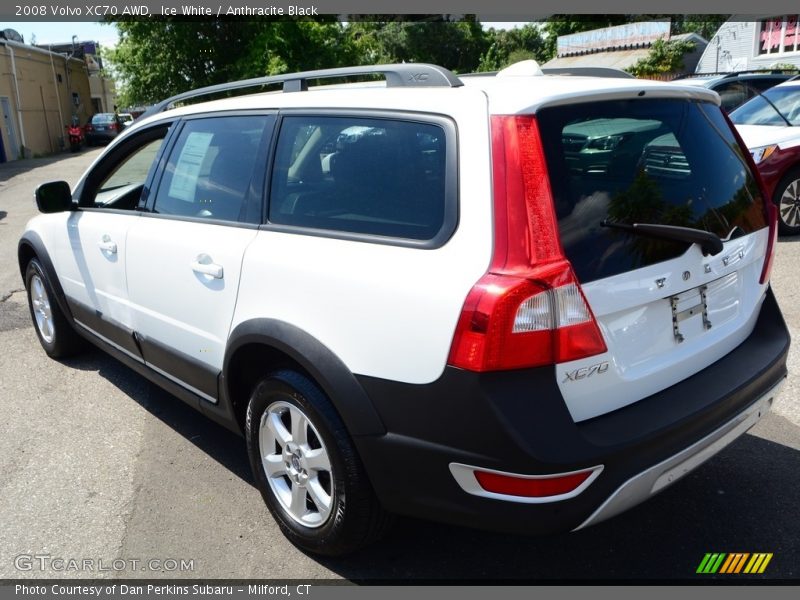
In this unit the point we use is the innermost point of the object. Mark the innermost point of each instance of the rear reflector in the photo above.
(525, 489)
(540, 487)
(528, 310)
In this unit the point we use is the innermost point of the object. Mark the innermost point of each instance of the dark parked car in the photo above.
(102, 127)
(737, 88)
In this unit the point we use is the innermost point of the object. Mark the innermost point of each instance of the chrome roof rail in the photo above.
(397, 75)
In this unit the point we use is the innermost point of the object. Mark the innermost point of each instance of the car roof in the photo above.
(711, 79)
(791, 83)
(507, 93)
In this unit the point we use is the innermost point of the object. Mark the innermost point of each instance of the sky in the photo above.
(62, 32)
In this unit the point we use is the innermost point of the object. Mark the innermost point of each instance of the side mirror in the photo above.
(53, 197)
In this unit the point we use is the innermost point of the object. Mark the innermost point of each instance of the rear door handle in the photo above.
(107, 245)
(206, 266)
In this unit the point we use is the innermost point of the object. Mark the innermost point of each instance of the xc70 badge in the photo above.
(586, 372)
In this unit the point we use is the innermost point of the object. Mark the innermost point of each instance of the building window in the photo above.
(779, 35)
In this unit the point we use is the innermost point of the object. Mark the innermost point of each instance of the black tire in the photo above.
(353, 518)
(54, 331)
(787, 199)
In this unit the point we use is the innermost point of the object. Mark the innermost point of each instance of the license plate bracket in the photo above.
(687, 305)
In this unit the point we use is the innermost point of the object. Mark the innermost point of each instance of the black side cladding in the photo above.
(517, 421)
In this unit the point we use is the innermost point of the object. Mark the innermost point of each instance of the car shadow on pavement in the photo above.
(742, 500)
(222, 445)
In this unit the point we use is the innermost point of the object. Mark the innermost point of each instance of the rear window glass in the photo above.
(360, 175)
(670, 162)
(103, 119)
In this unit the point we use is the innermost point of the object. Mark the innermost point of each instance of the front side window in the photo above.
(371, 176)
(210, 170)
(118, 181)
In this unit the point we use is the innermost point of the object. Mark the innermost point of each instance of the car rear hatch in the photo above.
(668, 303)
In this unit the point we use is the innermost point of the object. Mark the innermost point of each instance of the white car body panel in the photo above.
(386, 311)
(173, 305)
(90, 274)
(755, 136)
(635, 318)
(363, 301)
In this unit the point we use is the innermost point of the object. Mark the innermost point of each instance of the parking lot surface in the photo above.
(97, 463)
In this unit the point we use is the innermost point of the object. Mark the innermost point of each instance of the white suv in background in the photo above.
(520, 302)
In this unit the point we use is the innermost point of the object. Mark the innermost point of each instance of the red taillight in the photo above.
(528, 310)
(531, 487)
(113, 127)
(88, 128)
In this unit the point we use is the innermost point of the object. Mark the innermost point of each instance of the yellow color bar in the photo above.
(765, 563)
(755, 563)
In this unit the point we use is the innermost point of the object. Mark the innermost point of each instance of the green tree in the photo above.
(456, 45)
(665, 56)
(155, 59)
(509, 46)
(705, 26)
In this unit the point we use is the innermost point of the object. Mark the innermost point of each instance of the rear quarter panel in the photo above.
(386, 311)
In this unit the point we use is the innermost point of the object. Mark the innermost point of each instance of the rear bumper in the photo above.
(517, 422)
(651, 481)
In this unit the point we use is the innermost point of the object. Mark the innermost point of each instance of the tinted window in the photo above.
(103, 119)
(764, 83)
(733, 94)
(671, 162)
(777, 106)
(374, 176)
(210, 168)
(118, 180)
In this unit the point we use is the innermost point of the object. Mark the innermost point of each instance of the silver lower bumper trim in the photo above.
(656, 478)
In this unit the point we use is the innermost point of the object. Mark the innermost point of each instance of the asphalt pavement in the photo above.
(97, 464)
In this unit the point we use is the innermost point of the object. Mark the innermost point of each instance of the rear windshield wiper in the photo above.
(710, 243)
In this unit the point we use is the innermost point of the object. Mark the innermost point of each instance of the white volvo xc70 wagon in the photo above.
(523, 302)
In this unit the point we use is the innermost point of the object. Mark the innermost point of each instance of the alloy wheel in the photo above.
(297, 464)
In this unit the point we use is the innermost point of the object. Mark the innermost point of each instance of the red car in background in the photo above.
(770, 126)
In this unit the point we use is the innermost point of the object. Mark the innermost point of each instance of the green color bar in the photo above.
(718, 562)
(701, 568)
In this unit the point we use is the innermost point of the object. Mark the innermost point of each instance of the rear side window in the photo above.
(210, 170)
(670, 162)
(371, 176)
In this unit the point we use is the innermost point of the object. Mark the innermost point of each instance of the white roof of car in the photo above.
(517, 91)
